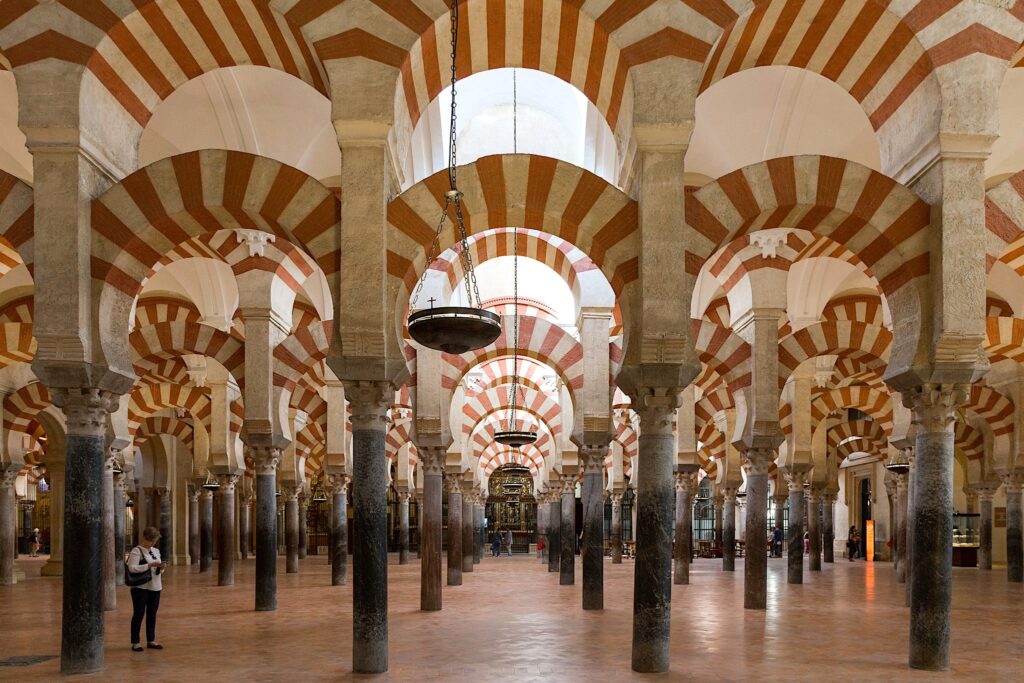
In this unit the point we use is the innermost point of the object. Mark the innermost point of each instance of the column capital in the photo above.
(593, 456)
(404, 496)
(796, 480)
(85, 409)
(933, 406)
(8, 475)
(453, 484)
(568, 483)
(370, 402)
(194, 492)
(686, 482)
(266, 456)
(291, 492)
(616, 499)
(759, 459)
(1012, 481)
(432, 459)
(656, 407)
(338, 483)
(120, 481)
(228, 481)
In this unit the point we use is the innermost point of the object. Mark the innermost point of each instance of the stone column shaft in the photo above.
(403, 527)
(686, 484)
(592, 553)
(814, 528)
(1014, 526)
(291, 530)
(266, 457)
(985, 531)
(8, 526)
(795, 536)
(755, 567)
(119, 520)
(430, 522)
(829, 532)
(205, 530)
(616, 539)
(193, 526)
(555, 532)
(303, 531)
(901, 528)
(339, 530)
(245, 526)
(567, 564)
(454, 567)
(729, 531)
(478, 532)
(109, 559)
(226, 532)
(467, 531)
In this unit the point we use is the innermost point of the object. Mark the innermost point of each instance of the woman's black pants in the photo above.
(146, 603)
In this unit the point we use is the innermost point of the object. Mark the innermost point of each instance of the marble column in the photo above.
(339, 529)
(555, 529)
(592, 552)
(205, 530)
(755, 566)
(567, 564)
(119, 520)
(454, 487)
(265, 455)
(109, 559)
(303, 530)
(8, 524)
(655, 502)
(542, 526)
(55, 472)
(432, 462)
(403, 527)
(26, 514)
(931, 586)
(985, 529)
(780, 507)
(194, 494)
(419, 525)
(226, 530)
(163, 510)
(795, 535)
(686, 481)
(478, 529)
(901, 528)
(828, 532)
(291, 528)
(719, 502)
(467, 530)
(616, 539)
(86, 412)
(729, 530)
(244, 523)
(1014, 546)
(814, 529)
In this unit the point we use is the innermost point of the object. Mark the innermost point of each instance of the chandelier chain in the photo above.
(514, 387)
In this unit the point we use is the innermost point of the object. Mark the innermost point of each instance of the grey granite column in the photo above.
(205, 530)
(542, 525)
(729, 530)
(985, 529)
(780, 499)
(1014, 545)
(303, 530)
(555, 529)
(755, 567)
(226, 532)
(26, 513)
(911, 517)
(931, 589)
(119, 519)
(86, 412)
(567, 532)
(419, 525)
(454, 487)
(655, 501)
(432, 462)
(291, 528)
(719, 503)
(901, 528)
(814, 529)
(478, 529)
(370, 402)
(194, 551)
(165, 523)
(686, 485)
(403, 527)
(829, 531)
(244, 522)
(616, 539)
(266, 455)
(795, 535)
(339, 529)
(592, 552)
(109, 560)
(467, 531)
(8, 523)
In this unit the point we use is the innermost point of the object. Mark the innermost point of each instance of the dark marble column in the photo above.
(467, 530)
(26, 514)
(8, 524)
(419, 525)
(303, 530)
(729, 530)
(985, 529)
(719, 502)
(119, 520)
(1014, 545)
(911, 516)
(795, 534)
(755, 566)
(205, 530)
(339, 529)
(686, 486)
(543, 507)
(828, 534)
(478, 529)
(655, 501)
(403, 527)
(592, 553)
(814, 528)
(432, 462)
(226, 531)
(109, 560)
(454, 487)
(291, 528)
(370, 402)
(555, 528)
(245, 522)
(782, 495)
(265, 456)
(86, 412)
(165, 523)
(567, 532)
(931, 589)
(616, 539)
(901, 528)
(194, 551)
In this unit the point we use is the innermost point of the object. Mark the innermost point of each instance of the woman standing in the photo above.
(146, 597)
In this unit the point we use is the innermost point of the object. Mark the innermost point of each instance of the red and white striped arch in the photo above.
(993, 407)
(869, 430)
(969, 440)
(22, 407)
(148, 399)
(855, 307)
(20, 310)
(1004, 220)
(17, 227)
(723, 351)
(17, 345)
(499, 372)
(875, 403)
(539, 408)
(1004, 339)
(153, 344)
(497, 455)
(868, 343)
(162, 424)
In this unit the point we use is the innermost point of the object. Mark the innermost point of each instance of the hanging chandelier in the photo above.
(211, 483)
(898, 463)
(453, 329)
(318, 493)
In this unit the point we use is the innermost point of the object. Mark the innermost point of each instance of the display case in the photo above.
(966, 539)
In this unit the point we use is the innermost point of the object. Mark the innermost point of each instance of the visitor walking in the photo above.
(496, 544)
(777, 541)
(145, 558)
(807, 543)
(508, 541)
(34, 542)
(852, 541)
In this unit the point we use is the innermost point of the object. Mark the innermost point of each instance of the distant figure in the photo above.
(496, 544)
(852, 541)
(777, 541)
(508, 542)
(807, 543)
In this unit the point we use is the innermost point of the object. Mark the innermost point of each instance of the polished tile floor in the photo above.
(511, 621)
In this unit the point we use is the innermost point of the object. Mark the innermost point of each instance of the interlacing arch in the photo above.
(969, 440)
(163, 424)
(875, 403)
(849, 338)
(153, 344)
(723, 351)
(149, 399)
(862, 308)
(992, 406)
